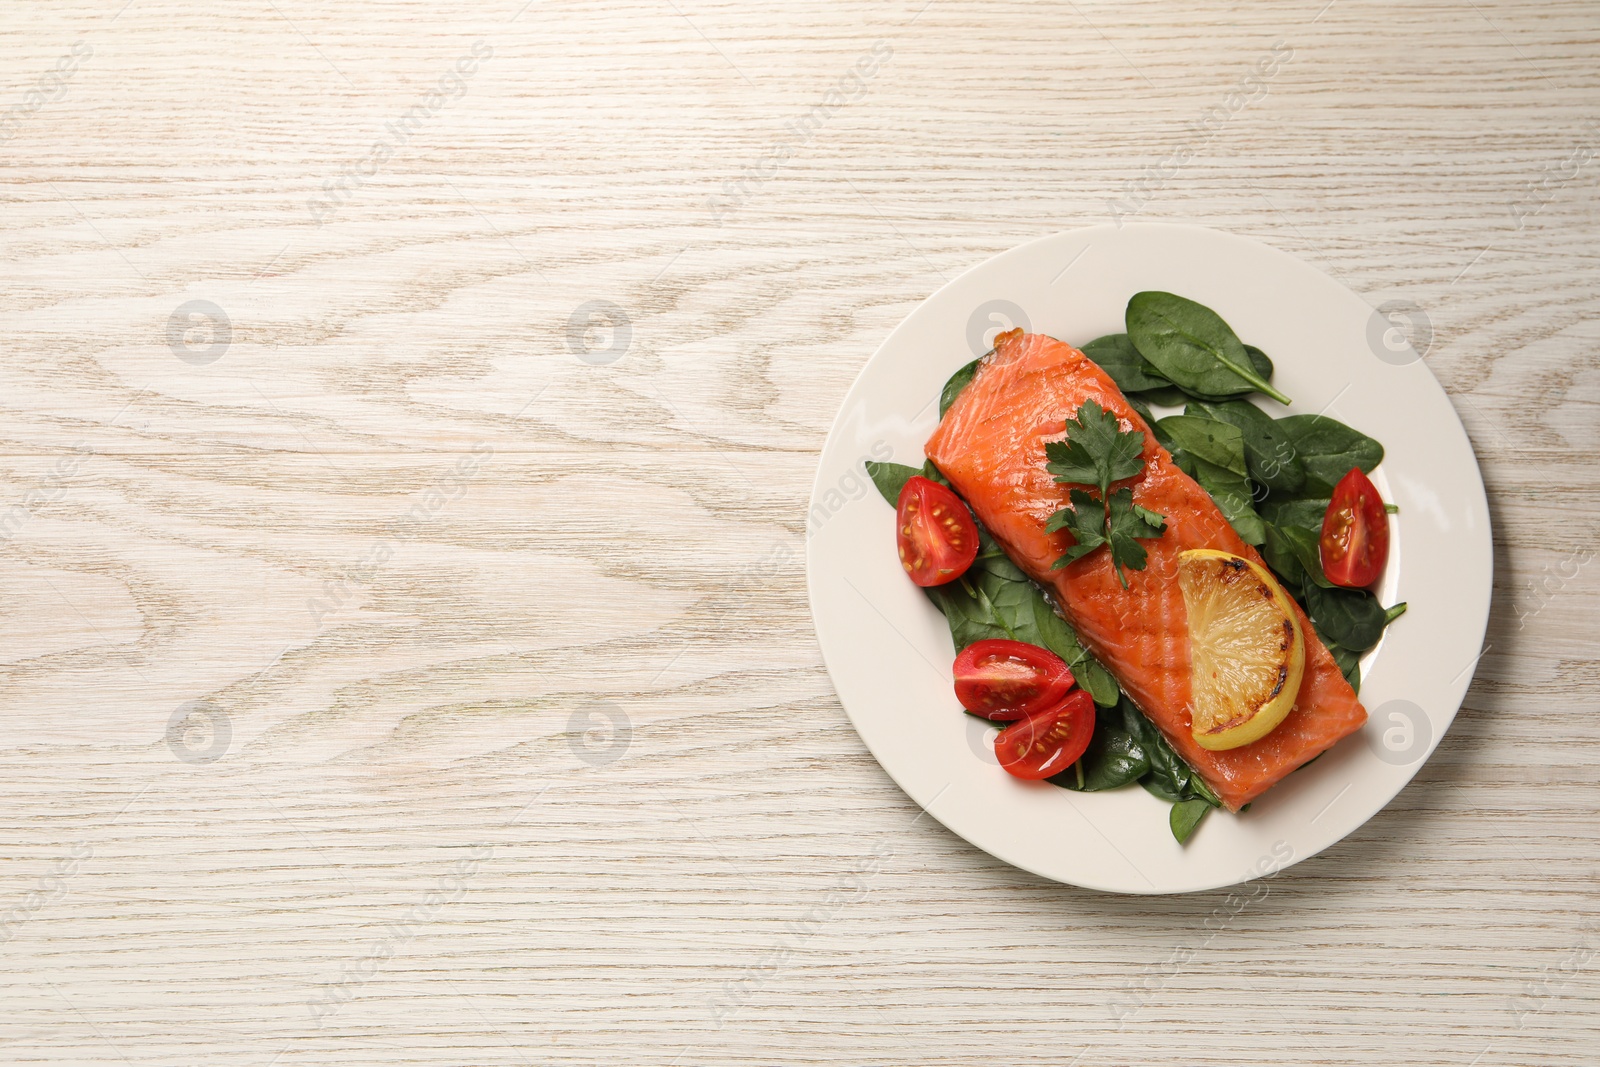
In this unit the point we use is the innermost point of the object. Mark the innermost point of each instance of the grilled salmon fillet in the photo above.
(990, 445)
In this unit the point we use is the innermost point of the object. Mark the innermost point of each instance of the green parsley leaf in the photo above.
(1085, 520)
(1097, 450)
(1128, 524)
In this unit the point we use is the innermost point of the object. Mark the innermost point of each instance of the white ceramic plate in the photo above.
(889, 652)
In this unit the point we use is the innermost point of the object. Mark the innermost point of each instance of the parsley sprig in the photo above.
(1096, 453)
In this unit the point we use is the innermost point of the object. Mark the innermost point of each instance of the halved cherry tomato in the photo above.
(938, 539)
(1355, 533)
(1004, 680)
(1047, 742)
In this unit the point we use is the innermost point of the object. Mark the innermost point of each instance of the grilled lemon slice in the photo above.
(1248, 651)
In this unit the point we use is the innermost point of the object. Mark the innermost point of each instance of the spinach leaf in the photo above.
(1168, 396)
(1056, 634)
(1128, 747)
(1171, 396)
(1138, 404)
(1158, 784)
(1232, 495)
(1268, 451)
(1198, 787)
(969, 617)
(1352, 618)
(1114, 353)
(1295, 554)
(1115, 755)
(1212, 440)
(1305, 513)
(1163, 438)
(1185, 816)
(969, 609)
(1280, 556)
(1258, 361)
(1307, 546)
(1212, 452)
(958, 381)
(1327, 448)
(890, 478)
(1349, 666)
(1191, 346)
(1009, 591)
(1169, 775)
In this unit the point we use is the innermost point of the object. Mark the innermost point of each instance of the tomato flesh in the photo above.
(1049, 741)
(1005, 680)
(1355, 533)
(937, 538)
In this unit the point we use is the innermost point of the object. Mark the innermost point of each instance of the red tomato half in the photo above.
(1049, 741)
(938, 539)
(1005, 680)
(1355, 533)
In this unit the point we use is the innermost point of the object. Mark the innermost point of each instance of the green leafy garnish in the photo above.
(1085, 520)
(1116, 754)
(1270, 453)
(890, 479)
(1185, 816)
(1218, 443)
(1293, 553)
(1212, 452)
(1349, 617)
(1349, 666)
(1328, 448)
(958, 381)
(1170, 777)
(1121, 525)
(1114, 353)
(1191, 346)
(1303, 512)
(1129, 523)
(1097, 452)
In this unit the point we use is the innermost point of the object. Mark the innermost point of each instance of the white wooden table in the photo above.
(408, 417)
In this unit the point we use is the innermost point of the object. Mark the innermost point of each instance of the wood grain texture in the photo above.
(502, 736)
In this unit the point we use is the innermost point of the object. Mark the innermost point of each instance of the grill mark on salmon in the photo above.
(990, 445)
